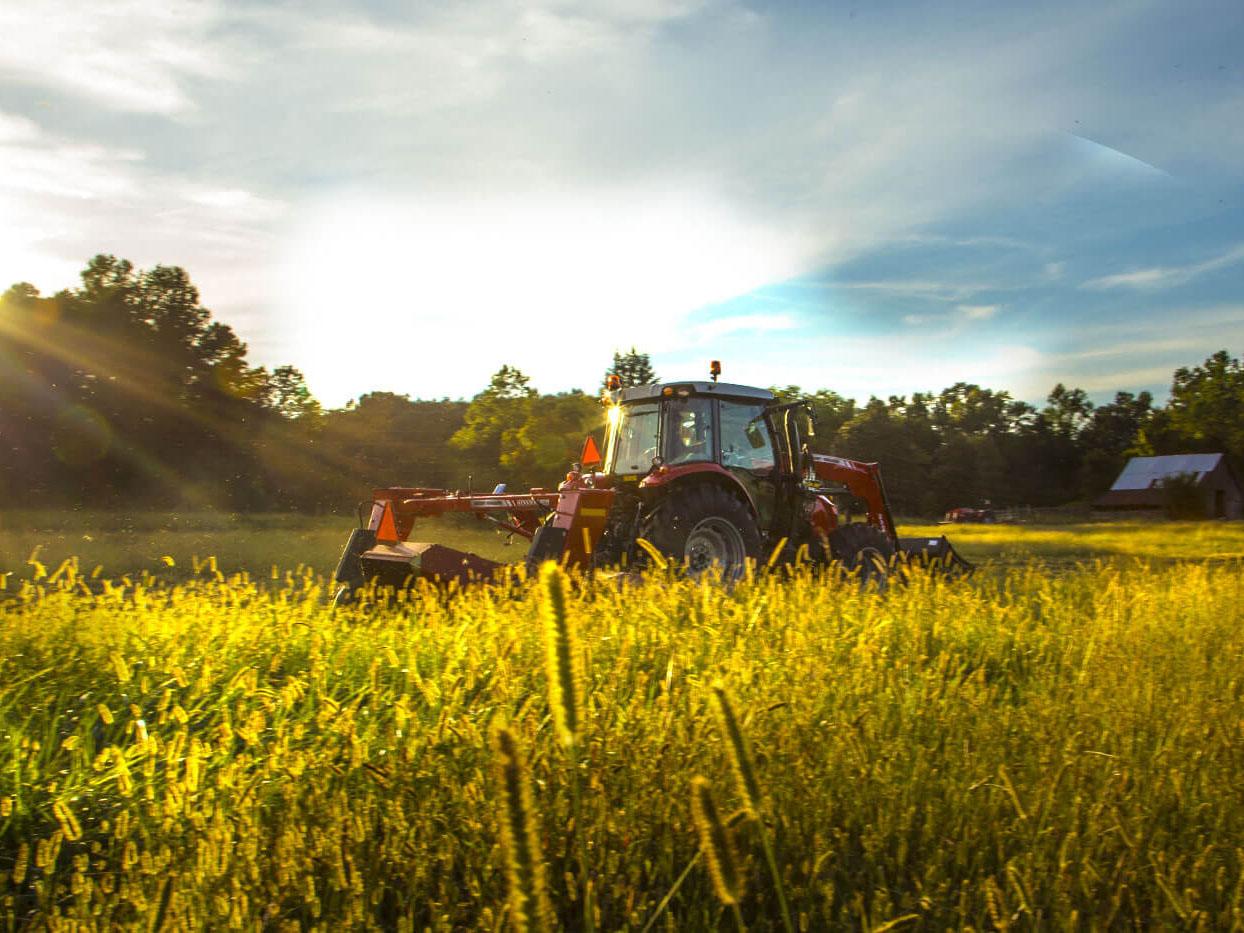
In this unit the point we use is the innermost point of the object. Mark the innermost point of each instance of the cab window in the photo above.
(745, 441)
(689, 430)
(636, 441)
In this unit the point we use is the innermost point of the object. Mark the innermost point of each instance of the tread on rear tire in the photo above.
(701, 525)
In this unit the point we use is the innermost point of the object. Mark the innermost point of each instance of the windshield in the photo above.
(633, 440)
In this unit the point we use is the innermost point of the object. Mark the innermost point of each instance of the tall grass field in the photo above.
(1055, 743)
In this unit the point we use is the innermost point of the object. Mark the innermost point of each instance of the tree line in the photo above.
(125, 393)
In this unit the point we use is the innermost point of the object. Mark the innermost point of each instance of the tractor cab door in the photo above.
(748, 451)
(791, 427)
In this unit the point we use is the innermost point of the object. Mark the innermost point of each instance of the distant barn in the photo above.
(1139, 486)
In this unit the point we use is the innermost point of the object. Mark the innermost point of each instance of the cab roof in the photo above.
(711, 389)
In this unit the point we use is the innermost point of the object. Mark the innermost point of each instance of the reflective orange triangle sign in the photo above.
(591, 454)
(387, 531)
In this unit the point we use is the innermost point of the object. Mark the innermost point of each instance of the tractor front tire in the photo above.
(864, 551)
(701, 526)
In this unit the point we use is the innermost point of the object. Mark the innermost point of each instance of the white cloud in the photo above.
(415, 195)
(921, 288)
(63, 201)
(133, 55)
(442, 292)
(1130, 349)
(978, 312)
(1167, 276)
(15, 129)
(44, 181)
(740, 324)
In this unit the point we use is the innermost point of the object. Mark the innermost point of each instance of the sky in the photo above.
(875, 198)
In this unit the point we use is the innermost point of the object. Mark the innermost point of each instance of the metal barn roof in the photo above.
(1144, 472)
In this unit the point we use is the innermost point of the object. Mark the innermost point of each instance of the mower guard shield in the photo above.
(398, 564)
(349, 570)
(934, 553)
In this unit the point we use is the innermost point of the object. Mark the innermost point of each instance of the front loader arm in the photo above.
(862, 480)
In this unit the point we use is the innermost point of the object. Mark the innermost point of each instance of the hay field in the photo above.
(120, 543)
(1030, 748)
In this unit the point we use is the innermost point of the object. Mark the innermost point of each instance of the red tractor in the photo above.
(705, 473)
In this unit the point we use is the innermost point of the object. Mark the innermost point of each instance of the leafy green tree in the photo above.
(286, 393)
(385, 438)
(551, 437)
(830, 409)
(633, 368)
(876, 433)
(128, 387)
(1206, 410)
(1068, 411)
(1110, 435)
(494, 416)
(971, 410)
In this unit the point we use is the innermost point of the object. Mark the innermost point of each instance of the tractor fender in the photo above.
(666, 478)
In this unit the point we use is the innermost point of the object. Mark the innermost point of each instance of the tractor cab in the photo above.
(690, 422)
(666, 437)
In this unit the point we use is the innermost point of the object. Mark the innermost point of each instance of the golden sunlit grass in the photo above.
(1044, 750)
(131, 543)
(1060, 544)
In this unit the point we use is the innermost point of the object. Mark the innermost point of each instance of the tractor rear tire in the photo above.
(864, 551)
(703, 525)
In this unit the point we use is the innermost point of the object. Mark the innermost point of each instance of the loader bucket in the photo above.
(935, 553)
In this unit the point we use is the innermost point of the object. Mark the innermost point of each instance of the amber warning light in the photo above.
(714, 369)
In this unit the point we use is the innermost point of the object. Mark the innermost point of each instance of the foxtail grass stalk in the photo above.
(529, 905)
(669, 895)
(562, 662)
(715, 843)
(739, 816)
(749, 788)
(561, 654)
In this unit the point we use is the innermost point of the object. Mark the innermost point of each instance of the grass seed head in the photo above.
(529, 905)
(740, 756)
(723, 863)
(561, 652)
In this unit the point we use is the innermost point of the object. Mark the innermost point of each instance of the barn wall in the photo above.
(1223, 479)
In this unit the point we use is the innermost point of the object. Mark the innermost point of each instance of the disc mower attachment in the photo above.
(400, 563)
(397, 564)
(936, 554)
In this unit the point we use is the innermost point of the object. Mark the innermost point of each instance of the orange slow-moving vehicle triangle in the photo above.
(591, 453)
(387, 532)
